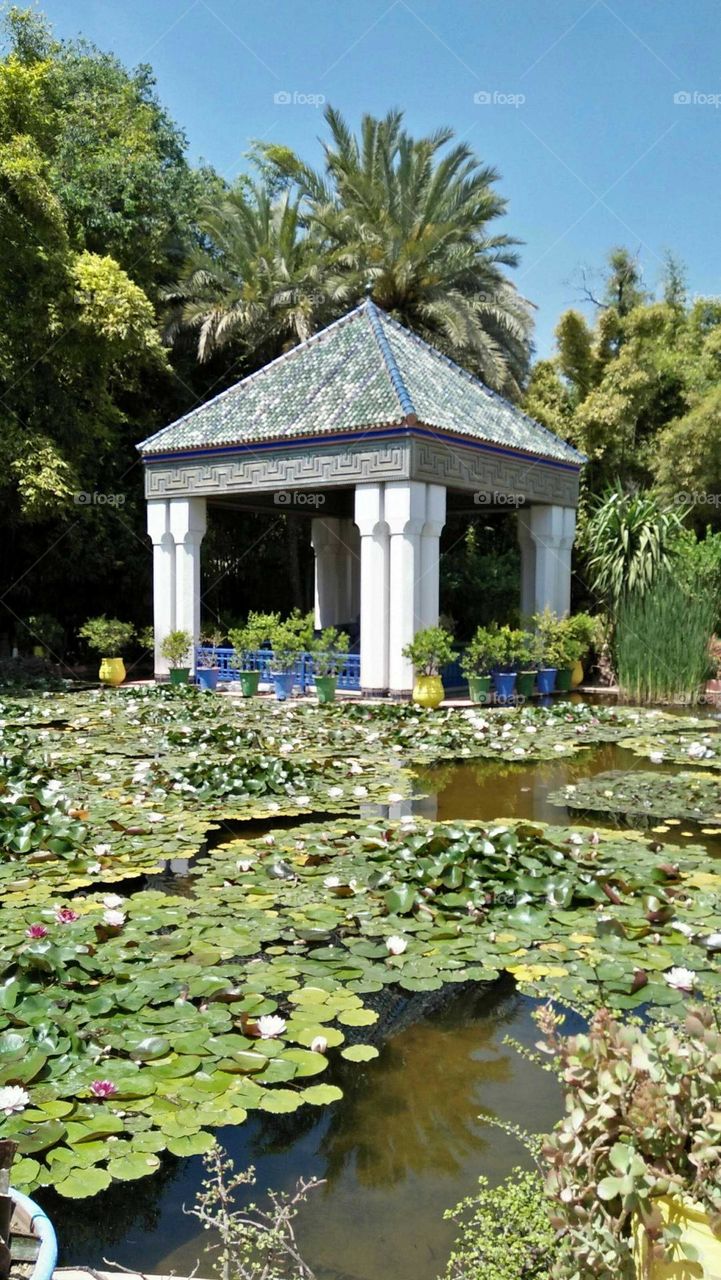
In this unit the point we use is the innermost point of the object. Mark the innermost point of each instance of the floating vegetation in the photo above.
(695, 797)
(131, 1026)
(697, 749)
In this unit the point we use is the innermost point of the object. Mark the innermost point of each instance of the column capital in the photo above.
(369, 510)
(188, 520)
(405, 506)
(158, 520)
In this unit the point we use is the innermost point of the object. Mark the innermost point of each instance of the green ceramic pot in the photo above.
(325, 687)
(478, 688)
(179, 675)
(564, 676)
(249, 683)
(525, 683)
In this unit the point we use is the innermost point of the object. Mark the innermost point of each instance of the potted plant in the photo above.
(569, 647)
(176, 650)
(585, 629)
(329, 650)
(246, 641)
(476, 663)
(429, 650)
(289, 639)
(510, 650)
(546, 650)
(633, 1170)
(526, 679)
(48, 633)
(108, 637)
(207, 669)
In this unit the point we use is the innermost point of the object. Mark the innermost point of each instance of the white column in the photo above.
(405, 512)
(552, 530)
(187, 524)
(329, 566)
(528, 565)
(350, 577)
(158, 516)
(430, 554)
(374, 586)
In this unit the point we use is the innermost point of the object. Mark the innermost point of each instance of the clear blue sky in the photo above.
(595, 153)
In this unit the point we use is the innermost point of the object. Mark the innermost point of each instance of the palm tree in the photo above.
(407, 220)
(256, 282)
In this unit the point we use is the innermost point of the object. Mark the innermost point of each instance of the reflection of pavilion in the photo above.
(376, 437)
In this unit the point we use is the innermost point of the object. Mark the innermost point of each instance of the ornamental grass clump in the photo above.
(642, 1121)
(662, 640)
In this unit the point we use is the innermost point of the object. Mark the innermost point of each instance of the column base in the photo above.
(401, 695)
(374, 693)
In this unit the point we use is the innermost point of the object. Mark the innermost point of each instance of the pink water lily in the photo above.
(36, 931)
(103, 1088)
(66, 915)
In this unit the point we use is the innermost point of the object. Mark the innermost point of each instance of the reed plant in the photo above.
(662, 638)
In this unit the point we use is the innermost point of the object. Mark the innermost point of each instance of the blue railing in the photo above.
(261, 659)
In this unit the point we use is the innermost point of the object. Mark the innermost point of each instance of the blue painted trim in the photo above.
(348, 436)
(47, 1258)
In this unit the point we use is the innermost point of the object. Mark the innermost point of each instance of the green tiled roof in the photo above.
(363, 372)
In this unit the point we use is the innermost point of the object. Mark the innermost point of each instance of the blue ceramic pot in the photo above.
(504, 682)
(207, 677)
(283, 682)
(546, 680)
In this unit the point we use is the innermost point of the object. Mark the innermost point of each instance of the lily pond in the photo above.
(308, 931)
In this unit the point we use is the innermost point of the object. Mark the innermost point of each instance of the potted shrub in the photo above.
(289, 640)
(633, 1170)
(48, 633)
(207, 669)
(585, 629)
(546, 650)
(247, 640)
(109, 637)
(569, 647)
(526, 679)
(510, 650)
(176, 650)
(480, 655)
(429, 650)
(329, 651)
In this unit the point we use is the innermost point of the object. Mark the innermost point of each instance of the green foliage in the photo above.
(628, 540)
(641, 797)
(176, 647)
(484, 651)
(429, 650)
(255, 632)
(641, 1122)
(662, 639)
(480, 581)
(505, 1232)
(289, 638)
(107, 636)
(329, 651)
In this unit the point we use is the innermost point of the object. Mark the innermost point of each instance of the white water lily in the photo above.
(332, 882)
(559, 746)
(114, 919)
(335, 792)
(93, 868)
(360, 792)
(270, 1026)
(697, 751)
(395, 945)
(687, 930)
(319, 1044)
(244, 864)
(101, 850)
(681, 979)
(112, 901)
(13, 1099)
(713, 942)
(394, 797)
(575, 838)
(656, 757)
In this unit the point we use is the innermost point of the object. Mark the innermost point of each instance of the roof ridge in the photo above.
(477, 382)
(258, 373)
(404, 398)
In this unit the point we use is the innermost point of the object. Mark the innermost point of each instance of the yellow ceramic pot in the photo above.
(112, 671)
(428, 691)
(577, 676)
(695, 1230)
